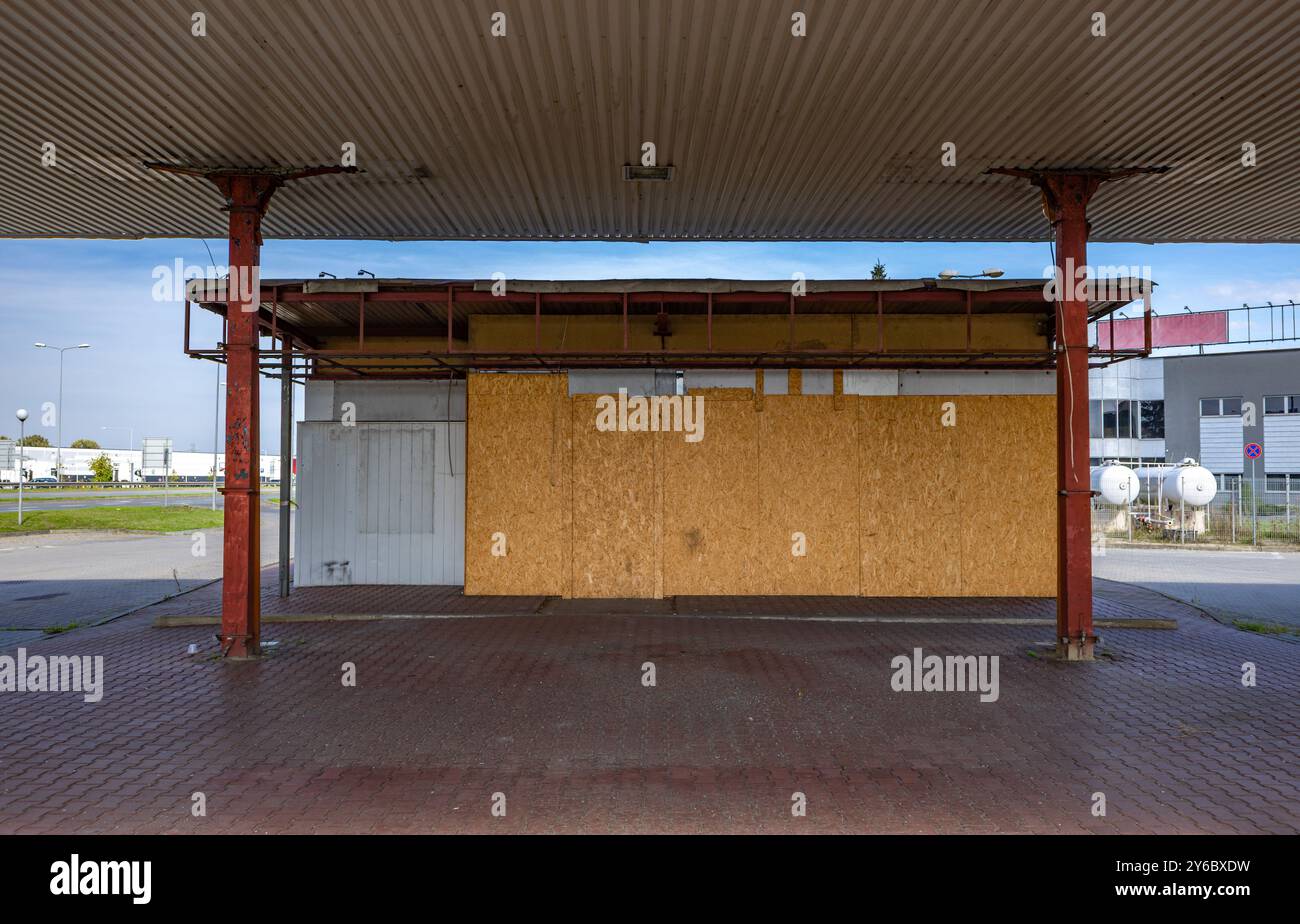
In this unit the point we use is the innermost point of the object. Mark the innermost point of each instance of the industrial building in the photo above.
(1204, 406)
(189, 467)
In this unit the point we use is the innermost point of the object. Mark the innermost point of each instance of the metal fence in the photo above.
(1245, 512)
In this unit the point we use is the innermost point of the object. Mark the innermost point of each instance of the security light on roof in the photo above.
(661, 174)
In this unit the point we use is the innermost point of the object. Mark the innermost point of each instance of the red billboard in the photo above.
(1167, 330)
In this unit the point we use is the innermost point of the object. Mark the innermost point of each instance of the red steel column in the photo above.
(247, 197)
(1067, 198)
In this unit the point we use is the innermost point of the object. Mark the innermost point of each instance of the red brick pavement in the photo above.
(548, 708)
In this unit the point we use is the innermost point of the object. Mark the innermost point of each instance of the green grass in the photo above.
(146, 519)
(59, 630)
(10, 494)
(1264, 628)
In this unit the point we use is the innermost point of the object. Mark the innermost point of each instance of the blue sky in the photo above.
(135, 375)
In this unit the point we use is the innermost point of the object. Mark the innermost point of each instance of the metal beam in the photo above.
(286, 460)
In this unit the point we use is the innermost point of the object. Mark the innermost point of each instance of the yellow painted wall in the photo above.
(890, 501)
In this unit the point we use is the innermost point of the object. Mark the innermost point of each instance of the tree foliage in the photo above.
(35, 440)
(101, 467)
(84, 444)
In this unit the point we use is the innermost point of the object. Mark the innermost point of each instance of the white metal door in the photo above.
(380, 503)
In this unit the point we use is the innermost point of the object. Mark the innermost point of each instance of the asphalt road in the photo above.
(64, 578)
(1255, 586)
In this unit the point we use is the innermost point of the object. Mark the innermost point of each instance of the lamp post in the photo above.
(21, 414)
(58, 452)
(216, 436)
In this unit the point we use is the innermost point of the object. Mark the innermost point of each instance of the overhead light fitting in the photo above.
(658, 174)
(992, 273)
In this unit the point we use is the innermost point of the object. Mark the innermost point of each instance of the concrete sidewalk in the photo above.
(79, 578)
(550, 711)
(1250, 586)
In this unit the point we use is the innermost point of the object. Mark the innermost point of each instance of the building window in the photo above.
(1116, 421)
(1282, 404)
(1152, 414)
(1126, 420)
(1221, 407)
(1277, 483)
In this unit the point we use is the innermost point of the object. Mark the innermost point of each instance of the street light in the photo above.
(21, 414)
(991, 273)
(58, 451)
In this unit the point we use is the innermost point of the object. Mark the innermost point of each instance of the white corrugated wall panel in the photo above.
(1222, 442)
(382, 503)
(1282, 443)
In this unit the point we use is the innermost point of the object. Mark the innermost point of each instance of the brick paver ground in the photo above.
(548, 709)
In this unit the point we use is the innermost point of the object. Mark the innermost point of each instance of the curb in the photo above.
(176, 622)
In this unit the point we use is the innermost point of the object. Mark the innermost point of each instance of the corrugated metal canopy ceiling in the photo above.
(836, 135)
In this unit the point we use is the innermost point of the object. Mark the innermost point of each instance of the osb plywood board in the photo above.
(517, 384)
(808, 490)
(1008, 521)
(710, 503)
(908, 506)
(517, 484)
(615, 508)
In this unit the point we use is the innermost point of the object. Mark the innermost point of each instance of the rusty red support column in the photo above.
(1066, 196)
(247, 197)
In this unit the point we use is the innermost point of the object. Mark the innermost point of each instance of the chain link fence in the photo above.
(1245, 512)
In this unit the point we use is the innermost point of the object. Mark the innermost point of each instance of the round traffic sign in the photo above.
(1254, 450)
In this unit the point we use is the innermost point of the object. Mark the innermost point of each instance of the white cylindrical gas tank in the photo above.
(1115, 484)
(1190, 484)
